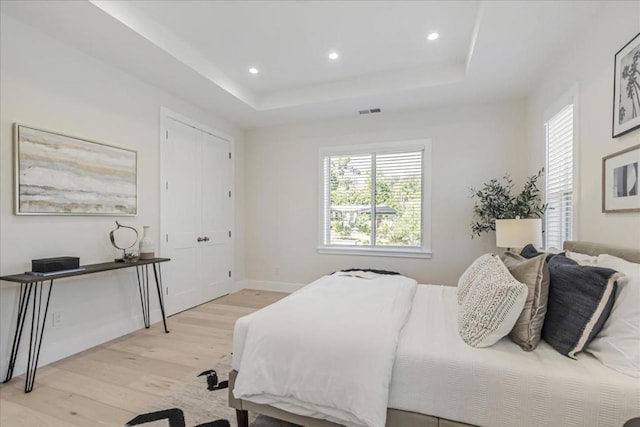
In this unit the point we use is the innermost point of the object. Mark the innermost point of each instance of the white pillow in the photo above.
(582, 259)
(618, 343)
(492, 301)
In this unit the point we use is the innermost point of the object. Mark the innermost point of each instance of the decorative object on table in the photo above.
(57, 174)
(124, 243)
(495, 201)
(626, 91)
(51, 265)
(620, 192)
(147, 247)
(131, 256)
(518, 232)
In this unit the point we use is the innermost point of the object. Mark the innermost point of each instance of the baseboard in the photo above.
(75, 343)
(238, 285)
(264, 285)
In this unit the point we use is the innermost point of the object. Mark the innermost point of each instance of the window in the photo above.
(374, 199)
(559, 178)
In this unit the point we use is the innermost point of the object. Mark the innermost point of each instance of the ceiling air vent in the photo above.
(369, 111)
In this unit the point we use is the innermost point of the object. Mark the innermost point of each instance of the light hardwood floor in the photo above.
(110, 384)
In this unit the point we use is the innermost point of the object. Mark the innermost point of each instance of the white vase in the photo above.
(147, 248)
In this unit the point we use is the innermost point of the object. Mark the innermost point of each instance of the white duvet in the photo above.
(326, 351)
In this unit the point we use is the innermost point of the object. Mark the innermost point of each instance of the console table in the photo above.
(31, 293)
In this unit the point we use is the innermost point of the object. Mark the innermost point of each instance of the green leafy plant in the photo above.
(131, 256)
(495, 201)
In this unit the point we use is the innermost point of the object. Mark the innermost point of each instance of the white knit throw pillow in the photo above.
(490, 301)
(469, 275)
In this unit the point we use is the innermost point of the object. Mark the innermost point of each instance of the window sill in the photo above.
(383, 252)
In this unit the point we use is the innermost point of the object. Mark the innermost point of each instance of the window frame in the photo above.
(569, 97)
(424, 250)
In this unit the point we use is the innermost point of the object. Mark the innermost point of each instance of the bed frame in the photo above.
(397, 417)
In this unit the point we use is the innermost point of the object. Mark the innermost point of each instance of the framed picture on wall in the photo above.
(626, 88)
(57, 174)
(620, 192)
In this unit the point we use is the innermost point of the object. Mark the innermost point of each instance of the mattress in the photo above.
(436, 373)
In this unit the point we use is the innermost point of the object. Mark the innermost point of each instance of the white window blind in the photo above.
(373, 198)
(559, 178)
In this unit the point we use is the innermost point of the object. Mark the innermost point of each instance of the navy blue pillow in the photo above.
(530, 251)
(580, 300)
(371, 270)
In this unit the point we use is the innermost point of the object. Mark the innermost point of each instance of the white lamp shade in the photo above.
(517, 233)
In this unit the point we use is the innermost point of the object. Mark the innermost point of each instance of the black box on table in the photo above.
(48, 265)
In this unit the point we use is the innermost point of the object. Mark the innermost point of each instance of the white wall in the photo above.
(471, 144)
(48, 85)
(589, 64)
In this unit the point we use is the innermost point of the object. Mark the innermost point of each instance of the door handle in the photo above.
(205, 239)
(200, 239)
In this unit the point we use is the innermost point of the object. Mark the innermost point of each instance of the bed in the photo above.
(437, 380)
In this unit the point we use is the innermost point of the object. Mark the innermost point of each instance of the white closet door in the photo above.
(215, 250)
(198, 217)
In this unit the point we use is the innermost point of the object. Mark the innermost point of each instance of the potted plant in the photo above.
(495, 201)
(130, 256)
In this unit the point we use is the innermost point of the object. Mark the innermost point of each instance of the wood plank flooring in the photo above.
(109, 384)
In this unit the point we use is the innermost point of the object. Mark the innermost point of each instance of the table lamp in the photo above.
(518, 232)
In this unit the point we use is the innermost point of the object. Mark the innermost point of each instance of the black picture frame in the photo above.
(626, 97)
(620, 181)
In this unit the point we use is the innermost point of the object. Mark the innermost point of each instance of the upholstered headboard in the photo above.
(589, 248)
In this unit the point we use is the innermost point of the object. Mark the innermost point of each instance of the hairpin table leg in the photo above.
(23, 305)
(30, 292)
(143, 286)
(158, 276)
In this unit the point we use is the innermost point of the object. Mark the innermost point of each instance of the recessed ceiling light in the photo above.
(333, 56)
(253, 70)
(431, 37)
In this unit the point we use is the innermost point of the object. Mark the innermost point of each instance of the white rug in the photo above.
(196, 406)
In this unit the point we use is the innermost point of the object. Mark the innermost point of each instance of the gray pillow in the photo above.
(535, 274)
(580, 300)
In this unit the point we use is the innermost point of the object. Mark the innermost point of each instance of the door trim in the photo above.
(165, 115)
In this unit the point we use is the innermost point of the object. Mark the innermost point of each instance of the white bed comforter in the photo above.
(327, 350)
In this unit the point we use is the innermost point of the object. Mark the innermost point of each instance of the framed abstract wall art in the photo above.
(56, 174)
(620, 192)
(626, 88)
